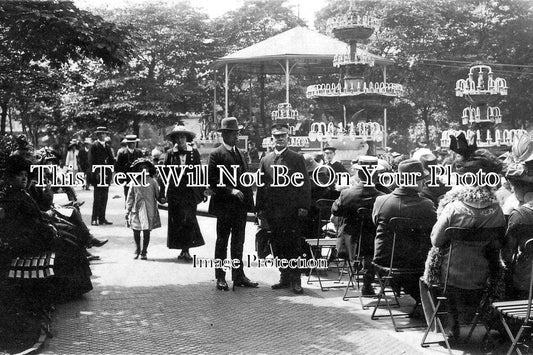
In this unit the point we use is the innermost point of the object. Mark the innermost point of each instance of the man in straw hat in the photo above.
(230, 203)
(100, 154)
(285, 209)
(126, 156)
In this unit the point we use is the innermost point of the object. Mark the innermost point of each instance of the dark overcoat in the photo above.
(183, 229)
(222, 199)
(100, 155)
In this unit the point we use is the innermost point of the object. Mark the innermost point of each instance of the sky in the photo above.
(215, 8)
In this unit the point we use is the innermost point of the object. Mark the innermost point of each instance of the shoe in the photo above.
(91, 257)
(187, 256)
(368, 291)
(297, 286)
(136, 253)
(106, 222)
(222, 285)
(143, 256)
(94, 223)
(181, 257)
(283, 283)
(245, 282)
(98, 243)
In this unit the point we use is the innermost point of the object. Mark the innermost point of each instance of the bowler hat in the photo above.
(280, 128)
(130, 138)
(180, 129)
(101, 129)
(413, 166)
(229, 124)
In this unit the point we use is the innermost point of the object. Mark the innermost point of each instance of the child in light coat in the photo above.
(142, 213)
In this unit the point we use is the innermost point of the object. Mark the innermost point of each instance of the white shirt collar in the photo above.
(101, 142)
(228, 147)
(130, 149)
(279, 152)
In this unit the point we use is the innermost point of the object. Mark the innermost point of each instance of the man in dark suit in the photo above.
(285, 209)
(100, 154)
(126, 156)
(230, 203)
(362, 194)
(404, 202)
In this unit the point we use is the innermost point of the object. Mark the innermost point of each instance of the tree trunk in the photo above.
(3, 117)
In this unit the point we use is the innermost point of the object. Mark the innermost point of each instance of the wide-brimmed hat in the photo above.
(101, 129)
(142, 161)
(180, 129)
(518, 164)
(130, 138)
(280, 128)
(413, 166)
(230, 124)
(481, 159)
(15, 164)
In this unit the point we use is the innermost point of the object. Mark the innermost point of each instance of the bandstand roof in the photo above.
(309, 52)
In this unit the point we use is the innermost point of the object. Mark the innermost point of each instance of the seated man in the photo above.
(404, 202)
(362, 194)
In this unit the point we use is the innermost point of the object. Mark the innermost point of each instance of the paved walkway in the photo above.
(162, 306)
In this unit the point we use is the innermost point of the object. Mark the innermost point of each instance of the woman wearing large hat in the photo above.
(183, 229)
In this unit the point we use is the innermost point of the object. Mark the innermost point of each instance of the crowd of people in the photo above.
(287, 214)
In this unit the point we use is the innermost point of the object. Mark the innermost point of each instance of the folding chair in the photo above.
(323, 248)
(480, 246)
(518, 311)
(364, 219)
(408, 236)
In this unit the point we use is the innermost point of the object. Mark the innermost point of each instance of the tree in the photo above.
(165, 77)
(39, 34)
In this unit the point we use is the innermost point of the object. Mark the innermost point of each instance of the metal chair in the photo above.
(480, 246)
(323, 249)
(519, 310)
(364, 220)
(409, 237)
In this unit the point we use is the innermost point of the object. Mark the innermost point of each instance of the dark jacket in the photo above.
(125, 158)
(402, 202)
(346, 206)
(223, 201)
(282, 203)
(100, 155)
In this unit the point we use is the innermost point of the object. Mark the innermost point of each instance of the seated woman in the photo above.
(519, 173)
(468, 207)
(27, 232)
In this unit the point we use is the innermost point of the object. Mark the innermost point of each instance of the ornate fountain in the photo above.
(482, 91)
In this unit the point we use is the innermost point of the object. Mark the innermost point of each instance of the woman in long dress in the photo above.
(183, 229)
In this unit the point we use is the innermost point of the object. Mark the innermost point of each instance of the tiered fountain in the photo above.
(482, 91)
(353, 92)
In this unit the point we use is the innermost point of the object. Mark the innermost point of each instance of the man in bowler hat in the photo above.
(230, 202)
(100, 154)
(285, 209)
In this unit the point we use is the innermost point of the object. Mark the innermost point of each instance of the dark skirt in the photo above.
(183, 229)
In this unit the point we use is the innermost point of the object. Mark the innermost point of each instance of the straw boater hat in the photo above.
(130, 138)
(179, 129)
(101, 129)
(229, 124)
(370, 161)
